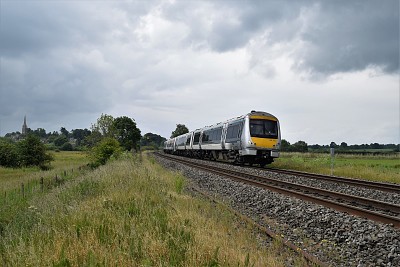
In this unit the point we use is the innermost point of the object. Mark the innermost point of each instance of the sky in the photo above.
(328, 70)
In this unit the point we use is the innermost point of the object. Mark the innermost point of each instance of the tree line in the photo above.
(108, 137)
(301, 146)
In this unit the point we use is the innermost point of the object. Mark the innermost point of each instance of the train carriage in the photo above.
(253, 138)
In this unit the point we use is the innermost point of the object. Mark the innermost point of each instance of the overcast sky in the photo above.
(329, 70)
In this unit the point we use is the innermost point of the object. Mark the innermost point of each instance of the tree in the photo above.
(343, 145)
(300, 146)
(60, 140)
(104, 150)
(67, 147)
(104, 127)
(64, 132)
(180, 129)
(80, 135)
(376, 146)
(8, 154)
(126, 132)
(32, 152)
(285, 145)
(152, 140)
(314, 147)
(40, 132)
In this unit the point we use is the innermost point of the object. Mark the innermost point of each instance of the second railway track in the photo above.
(363, 207)
(394, 188)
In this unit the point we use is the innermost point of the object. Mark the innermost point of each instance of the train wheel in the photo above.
(239, 160)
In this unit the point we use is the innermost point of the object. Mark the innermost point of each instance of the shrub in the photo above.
(67, 147)
(104, 150)
(8, 155)
(32, 152)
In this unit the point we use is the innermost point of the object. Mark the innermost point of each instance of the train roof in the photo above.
(253, 112)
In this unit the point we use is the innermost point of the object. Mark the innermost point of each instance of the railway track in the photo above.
(394, 188)
(363, 207)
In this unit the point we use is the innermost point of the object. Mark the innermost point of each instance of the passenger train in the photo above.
(253, 138)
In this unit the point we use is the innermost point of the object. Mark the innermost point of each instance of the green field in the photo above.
(11, 178)
(375, 168)
(130, 212)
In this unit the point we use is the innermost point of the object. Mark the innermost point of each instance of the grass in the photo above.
(130, 212)
(373, 168)
(11, 178)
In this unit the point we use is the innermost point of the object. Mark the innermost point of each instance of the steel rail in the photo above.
(394, 188)
(390, 207)
(372, 215)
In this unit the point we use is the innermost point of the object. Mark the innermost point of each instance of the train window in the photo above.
(233, 131)
(217, 135)
(212, 136)
(263, 128)
(206, 137)
(196, 138)
(188, 140)
(182, 141)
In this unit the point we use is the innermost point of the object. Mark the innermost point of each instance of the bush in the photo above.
(104, 150)
(67, 147)
(8, 155)
(61, 140)
(32, 152)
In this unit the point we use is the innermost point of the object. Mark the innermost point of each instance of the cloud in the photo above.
(350, 36)
(63, 63)
(324, 37)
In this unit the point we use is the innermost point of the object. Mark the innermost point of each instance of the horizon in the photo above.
(291, 142)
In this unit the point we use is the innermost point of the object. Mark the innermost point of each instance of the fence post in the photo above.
(23, 190)
(65, 173)
(56, 179)
(41, 184)
(332, 159)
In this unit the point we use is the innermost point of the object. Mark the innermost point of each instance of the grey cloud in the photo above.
(48, 70)
(69, 61)
(341, 36)
(34, 27)
(337, 36)
(351, 36)
(228, 25)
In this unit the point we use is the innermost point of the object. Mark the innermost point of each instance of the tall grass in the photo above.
(375, 168)
(130, 212)
(11, 178)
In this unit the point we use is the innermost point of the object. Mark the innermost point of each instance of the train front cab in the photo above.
(260, 139)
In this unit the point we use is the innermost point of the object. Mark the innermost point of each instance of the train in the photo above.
(253, 138)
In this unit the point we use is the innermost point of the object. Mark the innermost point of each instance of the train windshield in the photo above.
(263, 128)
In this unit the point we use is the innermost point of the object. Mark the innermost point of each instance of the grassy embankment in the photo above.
(374, 168)
(130, 212)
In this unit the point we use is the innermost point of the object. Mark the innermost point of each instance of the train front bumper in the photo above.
(259, 153)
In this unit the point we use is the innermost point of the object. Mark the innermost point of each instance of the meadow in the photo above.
(68, 161)
(383, 168)
(130, 212)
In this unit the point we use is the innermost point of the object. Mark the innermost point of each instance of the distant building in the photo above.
(24, 127)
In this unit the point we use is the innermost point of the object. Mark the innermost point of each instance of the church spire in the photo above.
(24, 126)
